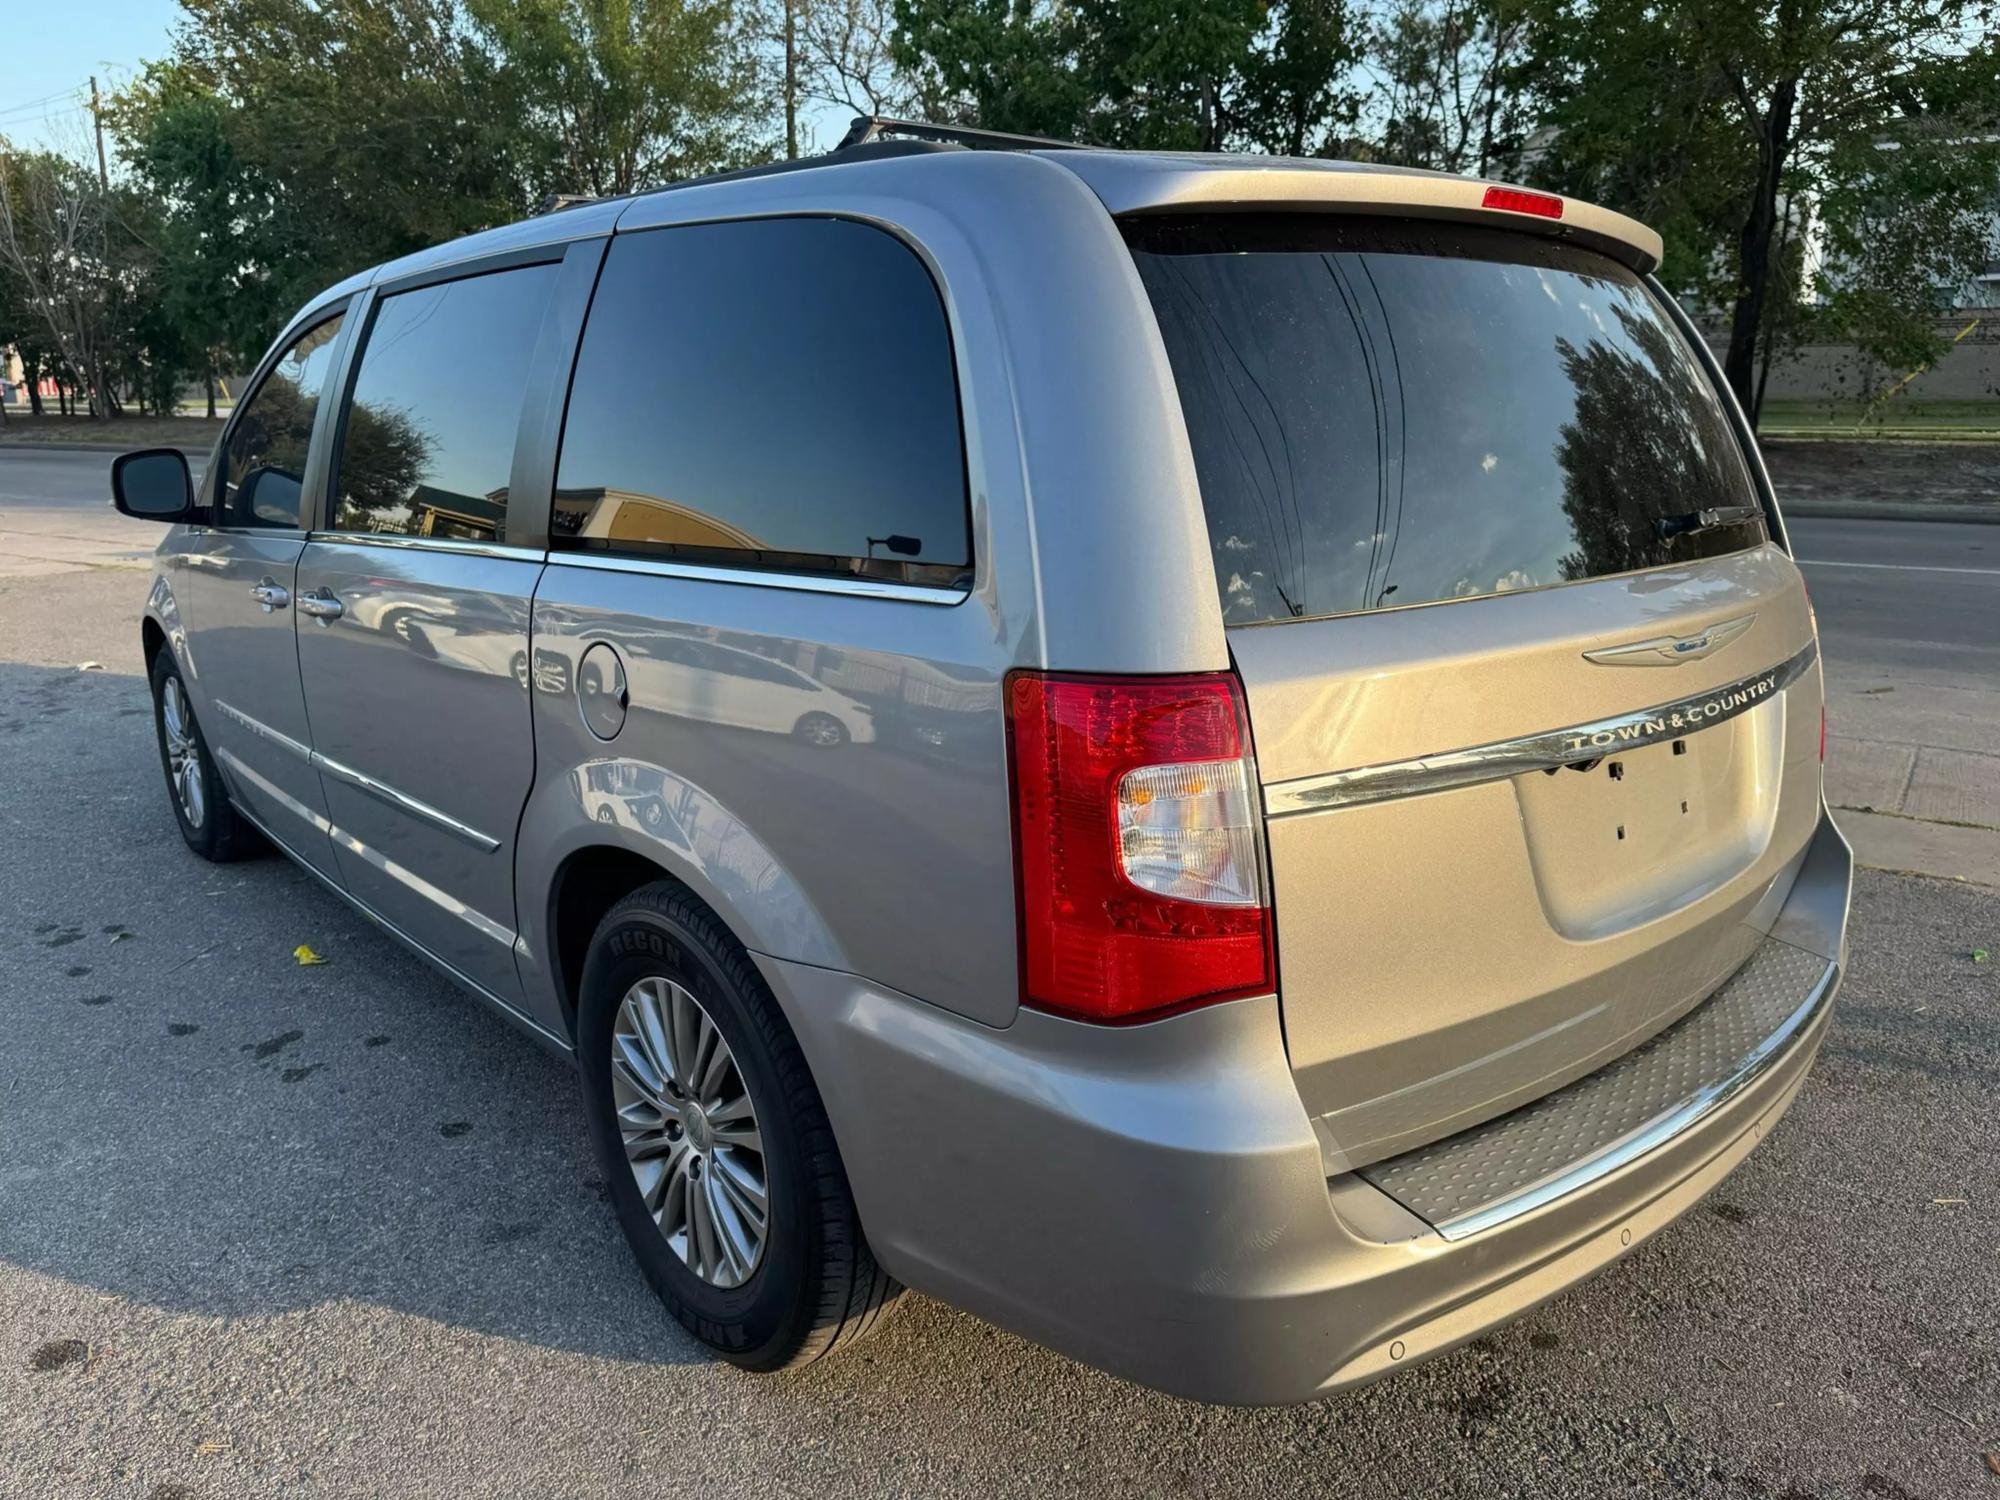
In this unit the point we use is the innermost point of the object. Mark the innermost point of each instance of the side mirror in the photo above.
(152, 484)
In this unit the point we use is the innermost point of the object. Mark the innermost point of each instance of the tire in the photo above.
(211, 826)
(822, 731)
(812, 1286)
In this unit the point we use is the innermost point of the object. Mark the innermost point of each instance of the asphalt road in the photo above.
(1903, 598)
(272, 1230)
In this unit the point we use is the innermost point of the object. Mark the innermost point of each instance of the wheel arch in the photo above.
(587, 884)
(152, 641)
(591, 835)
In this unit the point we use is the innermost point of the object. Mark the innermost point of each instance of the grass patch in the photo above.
(1951, 420)
(196, 434)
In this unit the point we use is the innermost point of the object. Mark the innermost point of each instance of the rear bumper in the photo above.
(1152, 1199)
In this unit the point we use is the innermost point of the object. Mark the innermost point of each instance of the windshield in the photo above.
(1387, 413)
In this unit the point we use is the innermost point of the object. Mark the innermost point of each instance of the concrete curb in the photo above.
(1972, 513)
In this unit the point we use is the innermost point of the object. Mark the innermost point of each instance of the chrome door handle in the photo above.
(271, 595)
(322, 606)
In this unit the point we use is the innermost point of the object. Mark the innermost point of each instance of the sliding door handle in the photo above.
(321, 605)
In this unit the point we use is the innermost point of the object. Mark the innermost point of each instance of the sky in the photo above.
(47, 52)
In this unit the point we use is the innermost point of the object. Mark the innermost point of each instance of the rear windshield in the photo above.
(1387, 413)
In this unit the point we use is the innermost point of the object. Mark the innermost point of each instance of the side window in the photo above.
(775, 393)
(427, 441)
(264, 466)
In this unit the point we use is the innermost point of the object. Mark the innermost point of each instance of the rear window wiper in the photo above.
(1694, 522)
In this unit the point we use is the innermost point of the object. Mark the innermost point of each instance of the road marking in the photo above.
(1820, 562)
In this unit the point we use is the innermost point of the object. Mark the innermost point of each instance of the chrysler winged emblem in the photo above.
(1672, 650)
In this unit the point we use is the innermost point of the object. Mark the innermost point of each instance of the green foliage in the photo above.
(355, 131)
(616, 95)
(1158, 74)
(1747, 132)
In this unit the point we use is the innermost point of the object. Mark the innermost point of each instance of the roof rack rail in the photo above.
(555, 203)
(868, 128)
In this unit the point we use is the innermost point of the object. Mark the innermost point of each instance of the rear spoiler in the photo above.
(1146, 183)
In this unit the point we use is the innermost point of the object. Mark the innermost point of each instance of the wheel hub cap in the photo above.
(689, 1131)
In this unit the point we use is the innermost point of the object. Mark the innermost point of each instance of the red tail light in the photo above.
(1136, 853)
(1521, 201)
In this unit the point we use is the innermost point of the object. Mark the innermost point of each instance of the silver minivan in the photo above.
(1216, 760)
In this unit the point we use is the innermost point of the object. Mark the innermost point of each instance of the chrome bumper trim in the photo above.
(1536, 752)
(1656, 1133)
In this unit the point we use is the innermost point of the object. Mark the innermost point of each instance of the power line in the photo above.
(30, 104)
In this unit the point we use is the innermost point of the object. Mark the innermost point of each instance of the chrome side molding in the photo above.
(329, 767)
(1535, 752)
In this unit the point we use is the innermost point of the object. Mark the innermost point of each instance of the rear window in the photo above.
(1387, 413)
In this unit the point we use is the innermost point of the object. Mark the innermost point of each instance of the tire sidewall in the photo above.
(762, 1320)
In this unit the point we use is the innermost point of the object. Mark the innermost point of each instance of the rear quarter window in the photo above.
(1387, 413)
(772, 393)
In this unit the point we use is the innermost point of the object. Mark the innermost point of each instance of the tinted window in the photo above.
(1387, 414)
(264, 465)
(774, 394)
(427, 446)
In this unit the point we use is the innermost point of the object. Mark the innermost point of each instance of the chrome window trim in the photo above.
(451, 545)
(1536, 752)
(866, 588)
(1662, 1129)
(360, 779)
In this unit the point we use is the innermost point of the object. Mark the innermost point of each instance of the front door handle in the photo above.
(271, 594)
(321, 605)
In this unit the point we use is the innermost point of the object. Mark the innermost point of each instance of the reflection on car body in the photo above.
(697, 677)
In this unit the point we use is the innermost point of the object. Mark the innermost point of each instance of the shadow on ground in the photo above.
(197, 1121)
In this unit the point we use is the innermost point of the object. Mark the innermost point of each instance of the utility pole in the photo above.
(791, 82)
(97, 119)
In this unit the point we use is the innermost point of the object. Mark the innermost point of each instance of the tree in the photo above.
(356, 131)
(846, 56)
(1447, 91)
(207, 206)
(1300, 95)
(1734, 126)
(617, 95)
(1159, 74)
(55, 226)
(999, 64)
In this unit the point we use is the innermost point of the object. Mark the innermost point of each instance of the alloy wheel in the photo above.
(183, 758)
(690, 1132)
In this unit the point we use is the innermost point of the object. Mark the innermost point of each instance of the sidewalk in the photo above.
(1913, 776)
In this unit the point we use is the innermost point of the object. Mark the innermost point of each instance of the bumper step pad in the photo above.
(1481, 1178)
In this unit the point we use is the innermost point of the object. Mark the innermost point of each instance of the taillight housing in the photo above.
(1137, 858)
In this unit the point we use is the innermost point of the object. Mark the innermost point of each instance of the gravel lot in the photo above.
(271, 1230)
